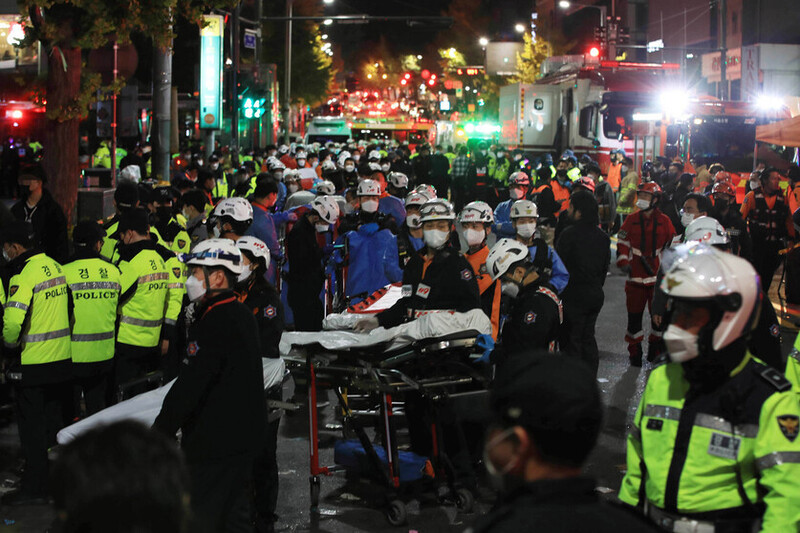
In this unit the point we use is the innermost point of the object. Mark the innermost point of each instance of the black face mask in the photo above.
(721, 204)
(561, 173)
(163, 214)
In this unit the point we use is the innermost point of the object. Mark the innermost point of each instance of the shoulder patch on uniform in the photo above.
(466, 274)
(774, 378)
(176, 271)
(622, 235)
(13, 290)
(270, 312)
(530, 317)
(181, 243)
(789, 425)
(775, 330)
(196, 238)
(192, 348)
(483, 269)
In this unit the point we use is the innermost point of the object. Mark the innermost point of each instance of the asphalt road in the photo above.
(352, 506)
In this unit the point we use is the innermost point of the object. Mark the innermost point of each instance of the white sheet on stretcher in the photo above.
(145, 407)
(430, 326)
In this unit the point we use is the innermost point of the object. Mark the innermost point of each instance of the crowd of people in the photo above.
(197, 279)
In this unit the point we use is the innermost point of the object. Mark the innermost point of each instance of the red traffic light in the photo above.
(433, 76)
(403, 81)
(425, 74)
(432, 82)
(594, 51)
(407, 76)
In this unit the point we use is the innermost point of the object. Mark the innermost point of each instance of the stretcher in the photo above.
(430, 358)
(145, 407)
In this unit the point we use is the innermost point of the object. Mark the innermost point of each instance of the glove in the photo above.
(486, 343)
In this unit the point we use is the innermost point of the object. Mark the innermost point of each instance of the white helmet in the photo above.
(369, 188)
(300, 155)
(706, 230)
(273, 163)
(524, 208)
(375, 154)
(326, 207)
(290, 174)
(283, 149)
(429, 191)
(415, 198)
(398, 180)
(437, 210)
(504, 253)
(325, 187)
(215, 253)
(236, 208)
(374, 167)
(254, 246)
(343, 156)
(476, 212)
(328, 165)
(705, 275)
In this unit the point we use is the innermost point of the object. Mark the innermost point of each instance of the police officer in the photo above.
(218, 399)
(535, 313)
(164, 226)
(524, 217)
(194, 210)
(94, 286)
(126, 197)
(714, 445)
(143, 300)
(36, 327)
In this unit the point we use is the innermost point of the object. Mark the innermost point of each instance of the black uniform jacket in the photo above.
(533, 322)
(265, 303)
(448, 283)
(218, 399)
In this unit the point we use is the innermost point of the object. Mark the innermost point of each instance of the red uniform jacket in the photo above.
(640, 242)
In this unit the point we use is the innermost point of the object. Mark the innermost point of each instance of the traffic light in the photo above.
(594, 51)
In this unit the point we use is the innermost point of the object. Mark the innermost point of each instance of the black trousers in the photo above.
(220, 502)
(766, 261)
(95, 392)
(578, 332)
(42, 410)
(130, 363)
(306, 306)
(265, 468)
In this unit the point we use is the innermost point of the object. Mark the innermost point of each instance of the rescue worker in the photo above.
(614, 176)
(126, 197)
(518, 186)
(143, 300)
(627, 189)
(410, 236)
(642, 238)
(561, 185)
(726, 212)
(524, 216)
(480, 184)
(94, 287)
(545, 418)
(585, 250)
(218, 399)
(573, 172)
(368, 194)
(163, 225)
(606, 199)
(714, 444)
(476, 221)
(36, 338)
(535, 312)
(263, 227)
(194, 211)
(231, 218)
(770, 223)
(391, 201)
(546, 205)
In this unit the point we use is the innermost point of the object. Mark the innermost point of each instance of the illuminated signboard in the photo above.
(211, 73)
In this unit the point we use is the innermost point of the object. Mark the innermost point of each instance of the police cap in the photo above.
(87, 233)
(126, 195)
(18, 232)
(136, 220)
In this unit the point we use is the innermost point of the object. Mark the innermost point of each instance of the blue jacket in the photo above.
(502, 220)
(372, 260)
(560, 276)
(394, 207)
(282, 195)
(263, 227)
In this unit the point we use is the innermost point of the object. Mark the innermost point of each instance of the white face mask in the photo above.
(497, 477)
(216, 231)
(412, 221)
(369, 206)
(516, 193)
(292, 188)
(686, 219)
(186, 214)
(385, 168)
(321, 227)
(315, 164)
(435, 238)
(349, 168)
(474, 236)
(681, 344)
(509, 288)
(6, 256)
(643, 204)
(356, 157)
(214, 166)
(194, 289)
(301, 163)
(526, 231)
(244, 274)
(755, 184)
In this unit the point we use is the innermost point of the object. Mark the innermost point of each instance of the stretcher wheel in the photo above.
(465, 500)
(396, 513)
(314, 489)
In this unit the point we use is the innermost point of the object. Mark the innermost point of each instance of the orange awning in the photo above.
(783, 133)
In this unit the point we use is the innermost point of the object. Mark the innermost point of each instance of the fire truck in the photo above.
(587, 105)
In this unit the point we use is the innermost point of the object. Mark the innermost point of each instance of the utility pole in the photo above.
(162, 103)
(235, 76)
(723, 48)
(287, 74)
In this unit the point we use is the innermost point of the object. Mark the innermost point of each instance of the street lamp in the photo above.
(519, 28)
(564, 4)
(483, 41)
(327, 22)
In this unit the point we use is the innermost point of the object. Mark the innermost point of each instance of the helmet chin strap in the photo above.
(209, 290)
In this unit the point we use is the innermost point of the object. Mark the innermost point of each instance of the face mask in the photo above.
(526, 231)
(244, 275)
(644, 205)
(194, 289)
(686, 219)
(349, 168)
(292, 188)
(435, 238)
(561, 173)
(321, 227)
(385, 168)
(515, 193)
(315, 164)
(164, 213)
(497, 477)
(474, 237)
(681, 345)
(186, 214)
(509, 288)
(624, 169)
(356, 157)
(412, 221)
(301, 163)
(216, 231)
(348, 208)
(370, 206)
(278, 175)
(755, 184)
(6, 256)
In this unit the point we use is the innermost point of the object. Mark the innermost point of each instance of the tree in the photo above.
(67, 27)
(529, 62)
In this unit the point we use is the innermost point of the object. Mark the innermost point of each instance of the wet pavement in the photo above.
(355, 506)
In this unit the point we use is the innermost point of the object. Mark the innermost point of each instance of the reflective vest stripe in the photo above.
(40, 337)
(17, 305)
(140, 322)
(174, 285)
(153, 277)
(50, 283)
(90, 285)
(662, 411)
(717, 423)
(88, 337)
(795, 354)
(644, 281)
(170, 321)
(775, 459)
